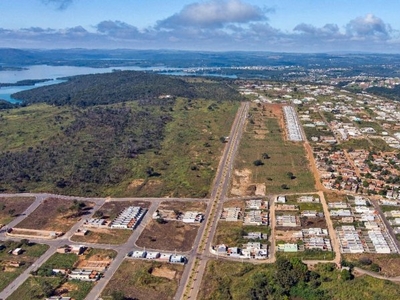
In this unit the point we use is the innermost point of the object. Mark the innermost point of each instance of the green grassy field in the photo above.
(189, 154)
(138, 279)
(29, 256)
(284, 157)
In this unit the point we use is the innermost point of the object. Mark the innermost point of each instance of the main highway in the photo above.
(194, 271)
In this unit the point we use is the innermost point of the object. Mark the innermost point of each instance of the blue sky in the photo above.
(216, 25)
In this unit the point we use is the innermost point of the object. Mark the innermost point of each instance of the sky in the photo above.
(203, 25)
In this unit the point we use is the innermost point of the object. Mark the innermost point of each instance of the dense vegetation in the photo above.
(290, 279)
(393, 93)
(103, 131)
(123, 86)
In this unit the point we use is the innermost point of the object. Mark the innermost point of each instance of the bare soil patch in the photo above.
(235, 203)
(13, 207)
(317, 222)
(285, 235)
(164, 272)
(241, 182)
(54, 214)
(172, 235)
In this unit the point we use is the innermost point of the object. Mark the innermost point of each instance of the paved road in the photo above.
(194, 271)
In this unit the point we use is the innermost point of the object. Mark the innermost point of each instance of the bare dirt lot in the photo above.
(12, 207)
(111, 209)
(144, 280)
(313, 222)
(56, 215)
(172, 235)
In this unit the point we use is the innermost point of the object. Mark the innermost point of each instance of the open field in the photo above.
(184, 206)
(37, 287)
(277, 157)
(104, 236)
(143, 280)
(8, 272)
(189, 155)
(389, 264)
(12, 207)
(171, 235)
(55, 214)
(230, 280)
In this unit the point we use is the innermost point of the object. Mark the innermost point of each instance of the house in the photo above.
(234, 252)
(280, 199)
(221, 249)
(153, 255)
(177, 259)
(17, 251)
(84, 275)
(139, 254)
(192, 217)
(288, 247)
(165, 257)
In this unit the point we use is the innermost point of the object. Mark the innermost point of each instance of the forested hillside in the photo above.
(122, 86)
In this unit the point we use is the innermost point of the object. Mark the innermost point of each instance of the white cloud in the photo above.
(214, 14)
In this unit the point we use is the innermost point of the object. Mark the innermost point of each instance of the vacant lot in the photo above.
(268, 160)
(318, 222)
(389, 264)
(13, 207)
(38, 287)
(144, 280)
(104, 236)
(56, 214)
(184, 206)
(8, 262)
(111, 209)
(171, 235)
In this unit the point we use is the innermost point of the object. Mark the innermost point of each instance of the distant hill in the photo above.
(123, 86)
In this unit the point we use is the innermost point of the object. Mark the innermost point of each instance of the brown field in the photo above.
(104, 236)
(389, 263)
(12, 207)
(53, 214)
(184, 206)
(172, 235)
(144, 280)
(313, 222)
(111, 209)
(235, 203)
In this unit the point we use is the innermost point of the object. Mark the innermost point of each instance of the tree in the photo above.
(265, 156)
(290, 175)
(284, 186)
(258, 162)
(11, 211)
(346, 275)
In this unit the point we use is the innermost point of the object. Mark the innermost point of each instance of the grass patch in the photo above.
(284, 156)
(139, 279)
(60, 261)
(104, 236)
(31, 252)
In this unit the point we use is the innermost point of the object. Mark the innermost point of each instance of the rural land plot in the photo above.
(186, 163)
(138, 279)
(56, 214)
(267, 158)
(13, 265)
(12, 207)
(104, 235)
